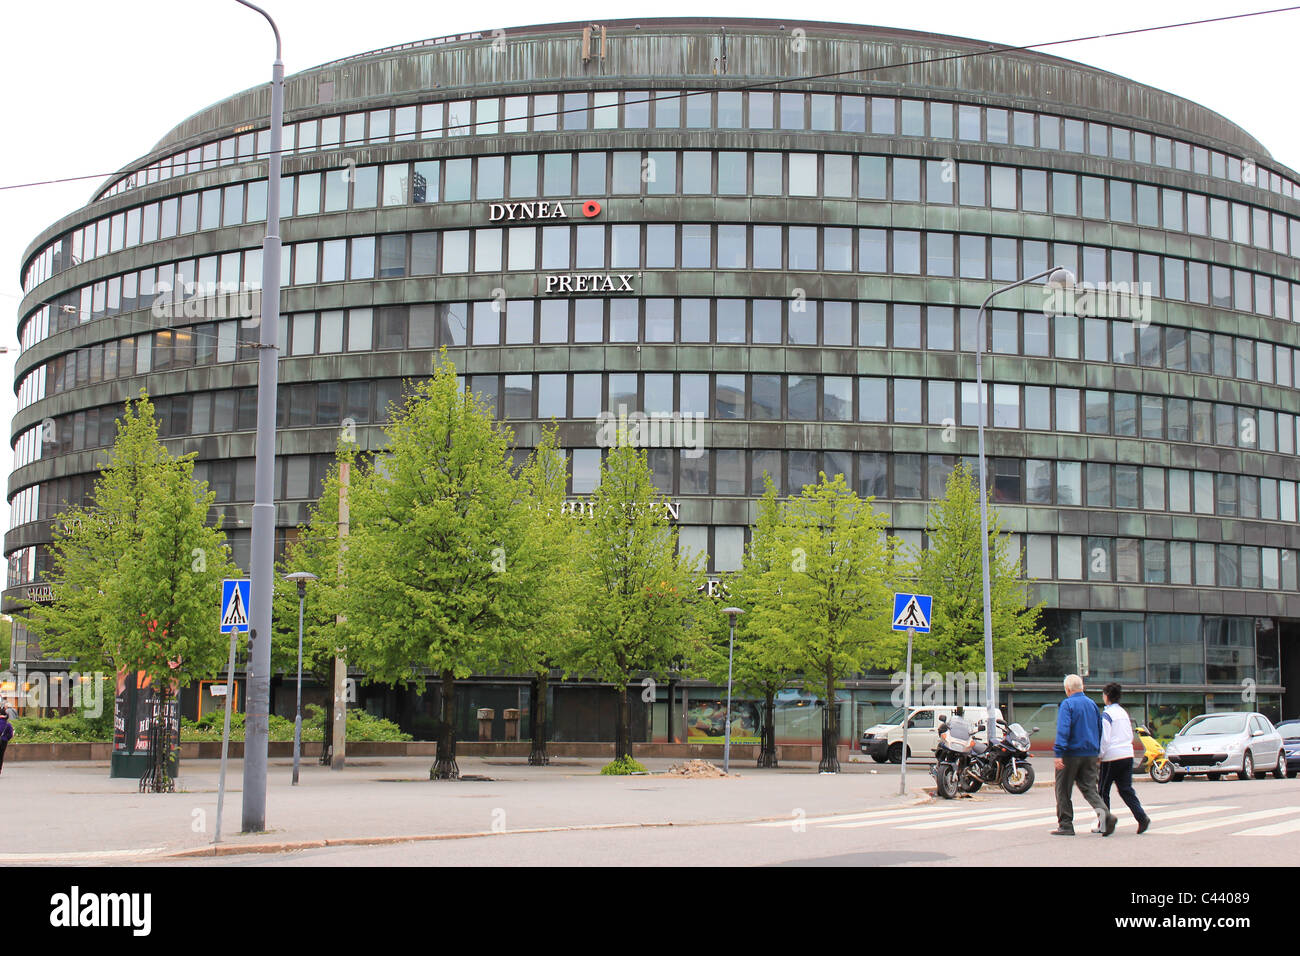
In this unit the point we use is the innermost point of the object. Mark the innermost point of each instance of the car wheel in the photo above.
(1178, 777)
(1290, 774)
(1280, 770)
(896, 753)
(1247, 767)
(1213, 776)
(879, 757)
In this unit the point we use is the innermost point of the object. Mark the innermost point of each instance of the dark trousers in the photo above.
(1083, 772)
(1120, 773)
(4, 745)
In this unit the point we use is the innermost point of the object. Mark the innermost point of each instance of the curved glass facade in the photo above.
(782, 274)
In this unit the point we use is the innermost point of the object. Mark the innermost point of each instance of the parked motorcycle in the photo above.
(1006, 764)
(1154, 760)
(949, 770)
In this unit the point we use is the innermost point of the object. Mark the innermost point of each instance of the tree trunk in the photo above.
(767, 747)
(444, 766)
(623, 727)
(158, 775)
(538, 756)
(830, 730)
(327, 735)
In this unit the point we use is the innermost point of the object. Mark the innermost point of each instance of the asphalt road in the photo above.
(1196, 823)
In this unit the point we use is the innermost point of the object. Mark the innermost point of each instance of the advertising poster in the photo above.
(133, 713)
(706, 722)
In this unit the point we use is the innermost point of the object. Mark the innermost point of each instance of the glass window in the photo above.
(970, 180)
(697, 173)
(733, 174)
(765, 397)
(872, 177)
(907, 180)
(1033, 185)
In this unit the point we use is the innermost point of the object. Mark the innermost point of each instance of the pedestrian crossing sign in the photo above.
(234, 605)
(912, 611)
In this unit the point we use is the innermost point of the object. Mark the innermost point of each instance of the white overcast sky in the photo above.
(93, 84)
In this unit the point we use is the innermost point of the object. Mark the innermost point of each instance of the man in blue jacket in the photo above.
(1078, 748)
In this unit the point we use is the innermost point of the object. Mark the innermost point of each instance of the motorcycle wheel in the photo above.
(1162, 772)
(945, 778)
(1019, 780)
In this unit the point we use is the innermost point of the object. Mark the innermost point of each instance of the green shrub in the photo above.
(362, 726)
(621, 767)
(72, 728)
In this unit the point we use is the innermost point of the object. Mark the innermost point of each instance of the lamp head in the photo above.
(1060, 279)
(301, 578)
(732, 612)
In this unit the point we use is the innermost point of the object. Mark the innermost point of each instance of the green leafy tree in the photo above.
(316, 550)
(438, 574)
(136, 575)
(762, 665)
(552, 539)
(821, 596)
(639, 595)
(951, 570)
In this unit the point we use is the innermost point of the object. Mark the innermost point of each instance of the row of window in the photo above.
(528, 176)
(692, 469)
(1045, 557)
(722, 396)
(871, 325)
(1131, 279)
(755, 110)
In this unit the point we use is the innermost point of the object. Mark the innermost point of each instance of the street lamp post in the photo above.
(1057, 278)
(731, 613)
(262, 559)
(301, 577)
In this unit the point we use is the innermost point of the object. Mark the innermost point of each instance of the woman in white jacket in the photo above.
(1117, 755)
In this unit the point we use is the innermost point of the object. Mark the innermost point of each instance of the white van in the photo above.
(884, 741)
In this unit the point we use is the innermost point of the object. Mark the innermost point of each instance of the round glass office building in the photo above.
(771, 241)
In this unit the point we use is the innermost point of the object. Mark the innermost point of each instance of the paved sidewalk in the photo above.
(66, 812)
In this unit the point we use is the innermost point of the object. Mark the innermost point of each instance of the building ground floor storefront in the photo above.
(1172, 666)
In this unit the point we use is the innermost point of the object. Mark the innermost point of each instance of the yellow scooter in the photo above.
(1154, 760)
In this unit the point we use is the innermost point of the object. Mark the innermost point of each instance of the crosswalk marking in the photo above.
(973, 817)
(1050, 818)
(837, 817)
(1199, 825)
(1273, 829)
(943, 812)
(1001, 817)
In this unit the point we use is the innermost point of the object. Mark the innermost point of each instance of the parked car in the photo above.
(1240, 742)
(1290, 731)
(884, 741)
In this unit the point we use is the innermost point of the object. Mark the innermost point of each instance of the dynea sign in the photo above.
(528, 211)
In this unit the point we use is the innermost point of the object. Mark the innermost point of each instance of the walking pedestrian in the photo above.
(6, 732)
(1117, 755)
(1078, 746)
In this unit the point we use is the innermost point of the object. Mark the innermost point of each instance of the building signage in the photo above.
(587, 509)
(589, 282)
(524, 211)
(528, 211)
(40, 593)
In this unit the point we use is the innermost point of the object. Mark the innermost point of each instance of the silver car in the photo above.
(1240, 742)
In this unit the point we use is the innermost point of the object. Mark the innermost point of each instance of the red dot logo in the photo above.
(591, 208)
